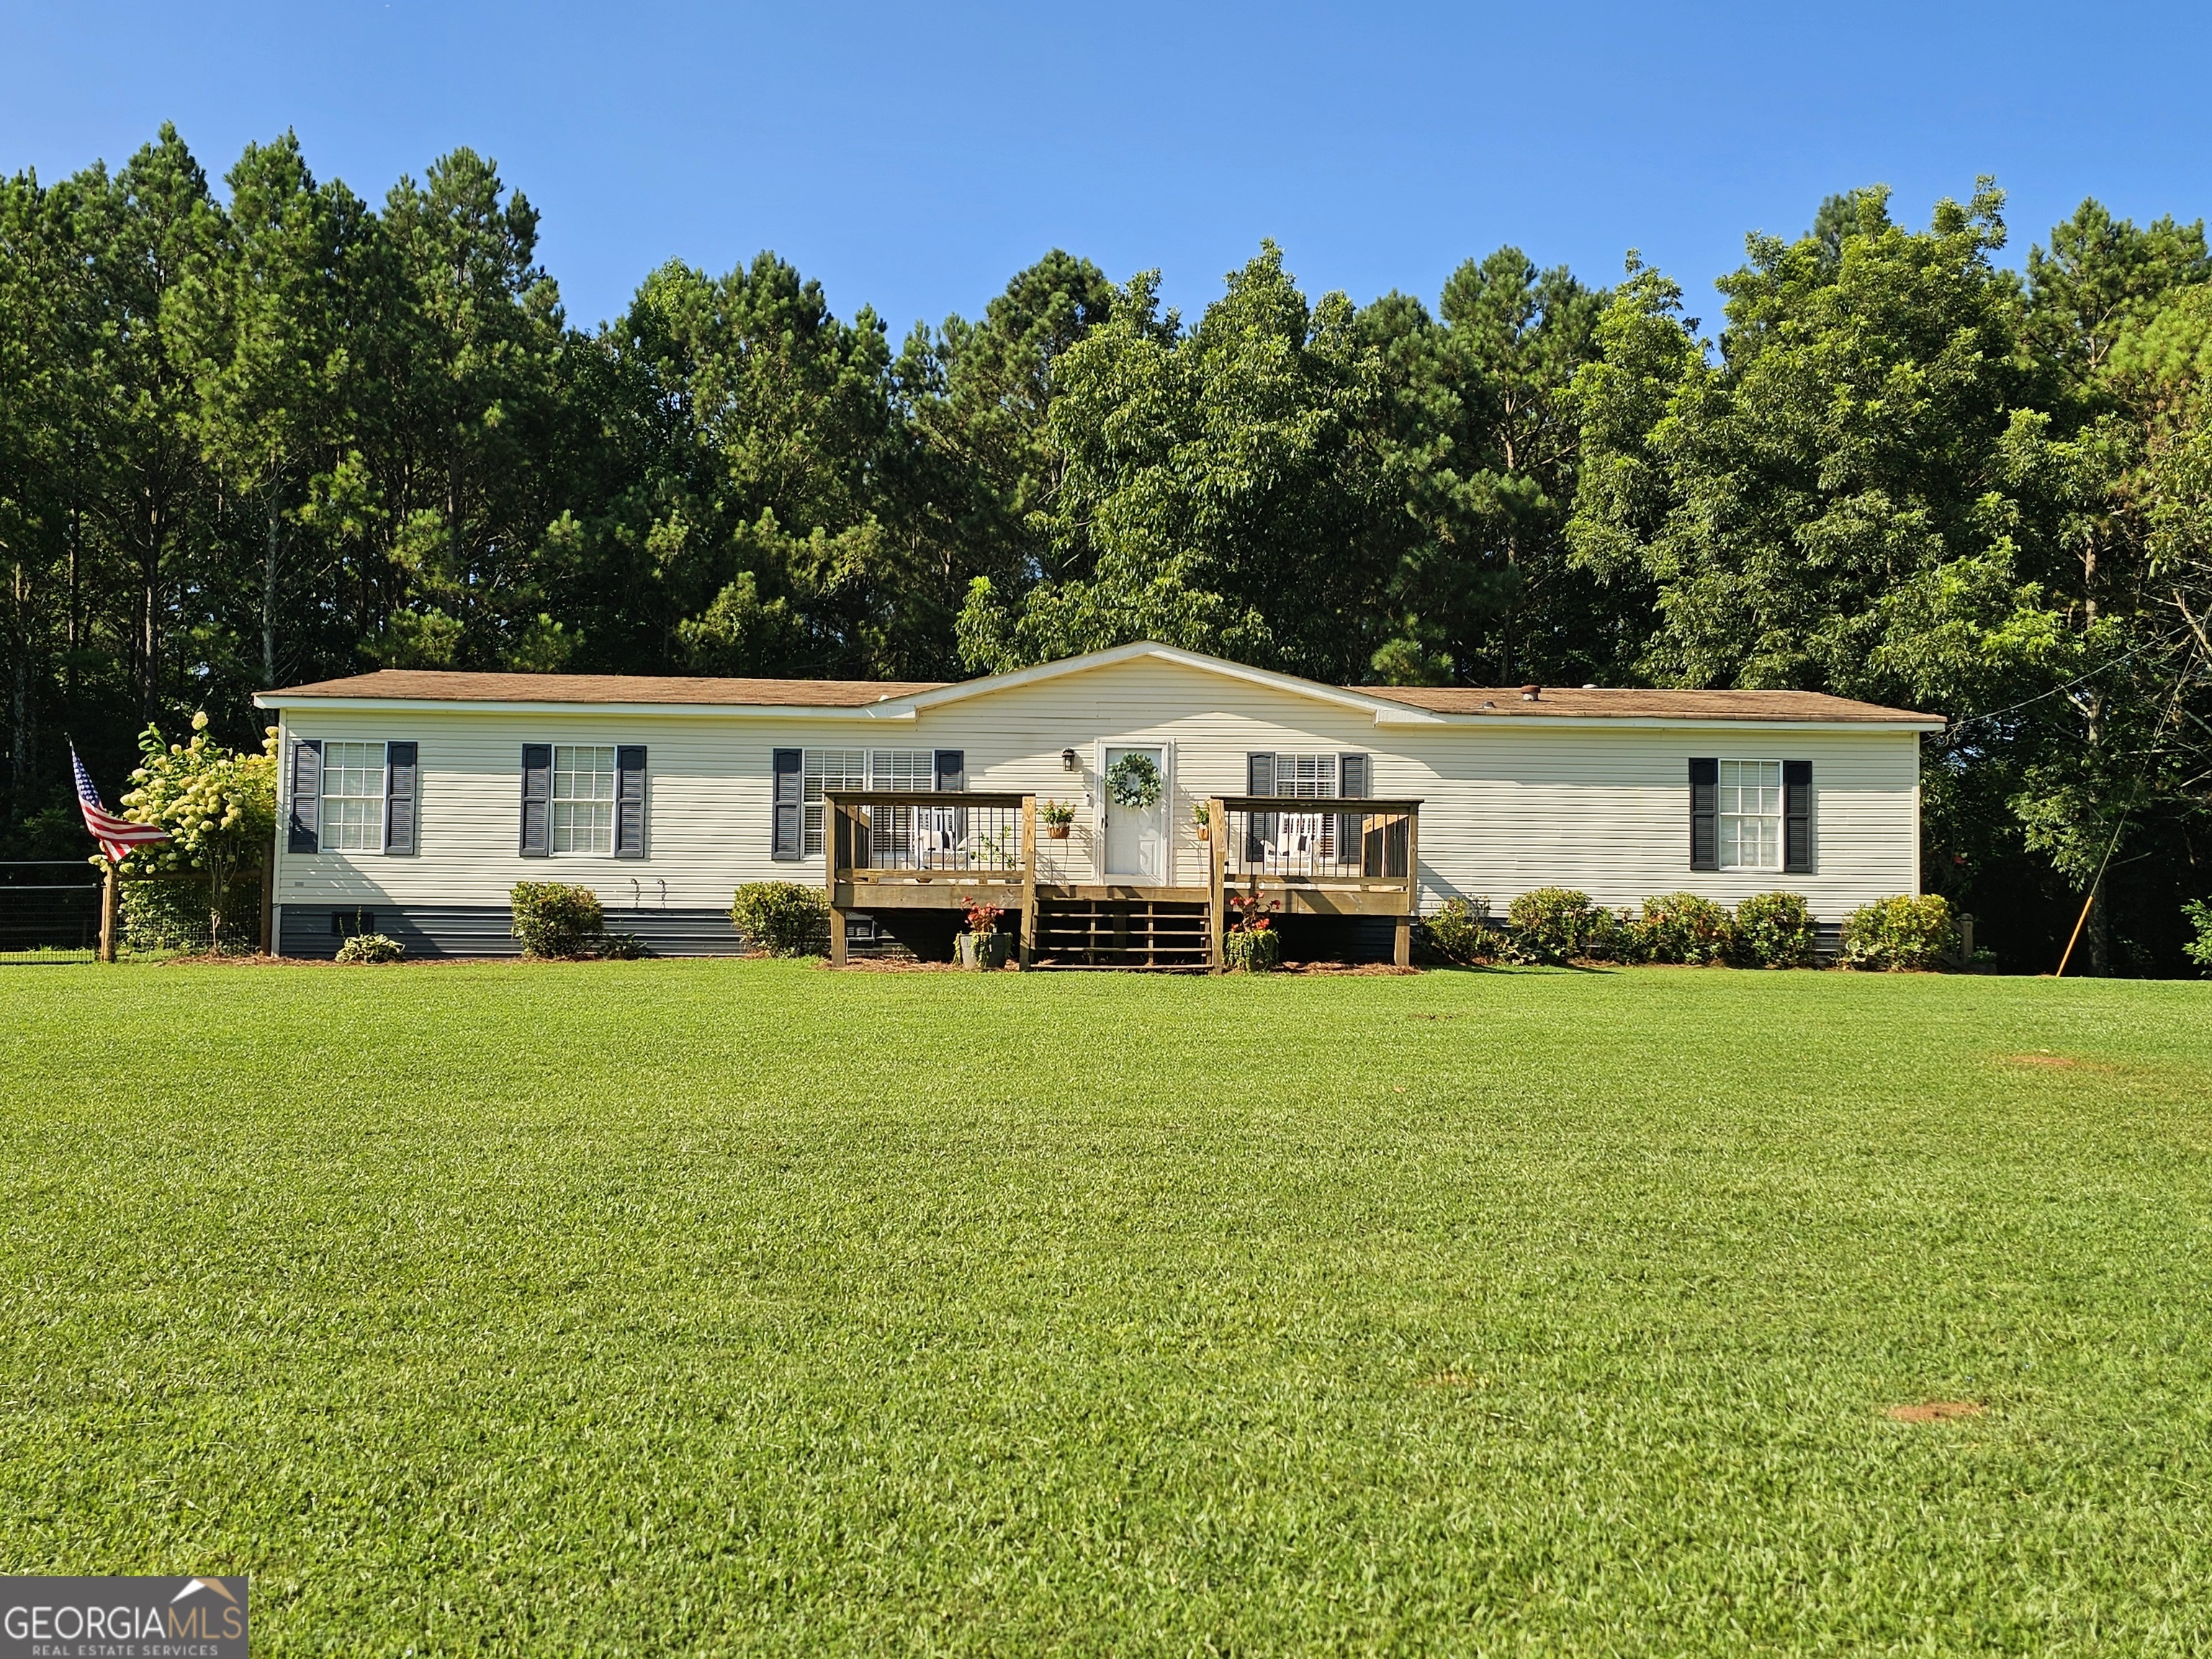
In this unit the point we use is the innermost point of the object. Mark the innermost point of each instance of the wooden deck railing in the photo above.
(916, 849)
(929, 849)
(1321, 855)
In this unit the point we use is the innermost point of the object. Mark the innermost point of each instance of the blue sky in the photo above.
(916, 157)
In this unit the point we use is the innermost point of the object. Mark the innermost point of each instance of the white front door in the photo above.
(1136, 837)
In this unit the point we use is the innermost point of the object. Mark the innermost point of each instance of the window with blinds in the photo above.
(1305, 836)
(862, 769)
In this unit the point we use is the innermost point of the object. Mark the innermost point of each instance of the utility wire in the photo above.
(1966, 721)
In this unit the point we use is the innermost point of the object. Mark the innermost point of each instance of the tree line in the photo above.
(273, 433)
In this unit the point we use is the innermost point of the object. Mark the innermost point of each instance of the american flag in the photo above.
(117, 837)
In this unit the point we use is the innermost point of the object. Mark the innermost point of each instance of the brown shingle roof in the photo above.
(436, 685)
(1628, 702)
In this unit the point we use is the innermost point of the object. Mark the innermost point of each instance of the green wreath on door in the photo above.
(1134, 781)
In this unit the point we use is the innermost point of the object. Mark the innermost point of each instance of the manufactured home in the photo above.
(1116, 805)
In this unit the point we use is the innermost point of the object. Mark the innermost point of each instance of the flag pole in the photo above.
(107, 915)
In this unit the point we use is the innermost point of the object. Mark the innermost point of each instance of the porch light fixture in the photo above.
(1067, 760)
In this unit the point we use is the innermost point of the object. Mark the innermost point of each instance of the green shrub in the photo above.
(2199, 950)
(622, 947)
(1680, 927)
(1559, 924)
(1775, 930)
(556, 921)
(1901, 932)
(1252, 949)
(1461, 932)
(783, 917)
(371, 947)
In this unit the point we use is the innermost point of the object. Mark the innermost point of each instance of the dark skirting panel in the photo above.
(1337, 939)
(483, 930)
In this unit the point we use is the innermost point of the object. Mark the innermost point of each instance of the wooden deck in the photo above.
(944, 849)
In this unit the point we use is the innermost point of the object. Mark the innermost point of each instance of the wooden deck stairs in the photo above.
(1146, 934)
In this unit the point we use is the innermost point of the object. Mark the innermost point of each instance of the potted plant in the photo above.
(1058, 815)
(1252, 945)
(1202, 815)
(982, 947)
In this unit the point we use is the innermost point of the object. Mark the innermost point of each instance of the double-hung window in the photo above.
(827, 769)
(891, 836)
(1303, 837)
(1750, 815)
(353, 797)
(583, 798)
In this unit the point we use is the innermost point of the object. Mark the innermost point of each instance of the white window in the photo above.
(892, 843)
(827, 769)
(902, 769)
(583, 798)
(1751, 814)
(867, 769)
(1305, 774)
(1302, 837)
(353, 797)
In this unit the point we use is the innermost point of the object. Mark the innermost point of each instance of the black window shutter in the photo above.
(1705, 814)
(400, 792)
(1351, 783)
(788, 804)
(304, 833)
(1259, 827)
(1797, 817)
(537, 800)
(629, 801)
(951, 769)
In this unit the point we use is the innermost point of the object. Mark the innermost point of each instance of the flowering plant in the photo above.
(983, 918)
(218, 804)
(1056, 812)
(1248, 916)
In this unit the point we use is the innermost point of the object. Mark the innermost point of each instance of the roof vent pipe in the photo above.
(1532, 693)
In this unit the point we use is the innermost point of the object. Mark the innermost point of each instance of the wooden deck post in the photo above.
(107, 914)
(1029, 879)
(837, 838)
(1402, 945)
(1217, 880)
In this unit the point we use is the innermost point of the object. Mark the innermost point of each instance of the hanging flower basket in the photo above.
(1134, 781)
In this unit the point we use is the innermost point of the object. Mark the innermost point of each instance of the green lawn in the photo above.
(668, 1306)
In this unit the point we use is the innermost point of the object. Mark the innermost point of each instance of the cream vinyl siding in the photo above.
(1608, 811)
(1509, 806)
